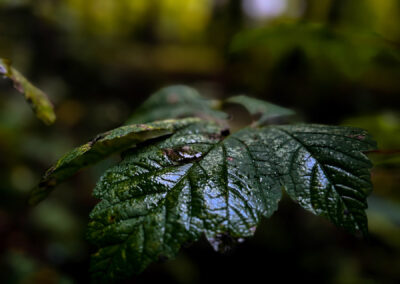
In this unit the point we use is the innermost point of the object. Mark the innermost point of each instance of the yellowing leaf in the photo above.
(38, 100)
(101, 147)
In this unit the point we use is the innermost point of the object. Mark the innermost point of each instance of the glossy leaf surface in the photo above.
(169, 193)
(175, 102)
(324, 169)
(198, 181)
(38, 100)
(100, 147)
(264, 110)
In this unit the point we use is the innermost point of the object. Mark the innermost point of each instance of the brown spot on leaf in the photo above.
(183, 154)
(171, 153)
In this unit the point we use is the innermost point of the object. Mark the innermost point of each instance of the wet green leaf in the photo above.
(324, 169)
(169, 193)
(38, 100)
(175, 102)
(264, 110)
(101, 147)
(198, 181)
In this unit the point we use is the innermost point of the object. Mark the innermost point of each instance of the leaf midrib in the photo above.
(325, 174)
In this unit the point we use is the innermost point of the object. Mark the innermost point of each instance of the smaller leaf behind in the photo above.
(265, 110)
(175, 102)
(101, 147)
(38, 100)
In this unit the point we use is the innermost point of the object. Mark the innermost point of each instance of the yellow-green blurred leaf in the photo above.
(38, 100)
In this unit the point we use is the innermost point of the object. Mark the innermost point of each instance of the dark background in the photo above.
(333, 61)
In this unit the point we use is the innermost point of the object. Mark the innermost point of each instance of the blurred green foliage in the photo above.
(350, 53)
(334, 61)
